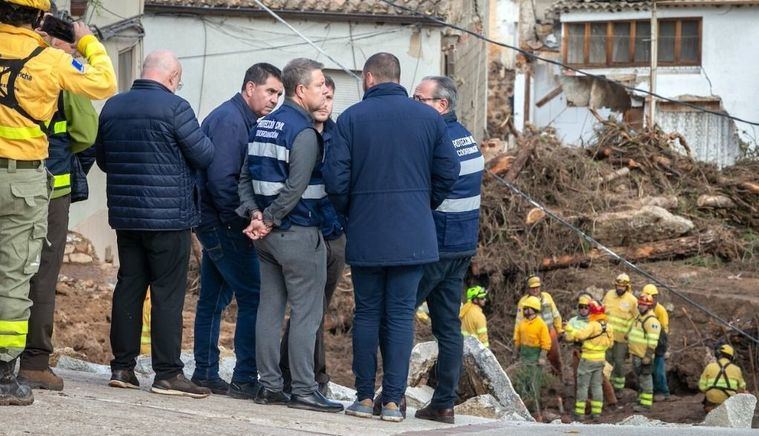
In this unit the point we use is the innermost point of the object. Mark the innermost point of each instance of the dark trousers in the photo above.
(335, 266)
(384, 317)
(158, 259)
(660, 375)
(39, 340)
(229, 268)
(441, 287)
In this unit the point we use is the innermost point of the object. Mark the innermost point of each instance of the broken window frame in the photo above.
(631, 62)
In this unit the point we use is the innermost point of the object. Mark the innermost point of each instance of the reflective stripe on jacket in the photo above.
(621, 312)
(644, 335)
(38, 85)
(721, 380)
(596, 338)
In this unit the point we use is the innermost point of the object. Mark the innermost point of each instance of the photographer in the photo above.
(32, 76)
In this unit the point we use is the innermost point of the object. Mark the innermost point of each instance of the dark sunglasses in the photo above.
(582, 306)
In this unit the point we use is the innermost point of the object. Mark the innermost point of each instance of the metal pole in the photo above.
(654, 62)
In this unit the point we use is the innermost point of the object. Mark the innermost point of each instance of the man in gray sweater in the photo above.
(282, 193)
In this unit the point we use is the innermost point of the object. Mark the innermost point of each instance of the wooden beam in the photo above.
(550, 96)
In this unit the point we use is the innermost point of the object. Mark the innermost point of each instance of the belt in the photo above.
(20, 164)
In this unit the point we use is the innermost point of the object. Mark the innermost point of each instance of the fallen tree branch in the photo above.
(523, 155)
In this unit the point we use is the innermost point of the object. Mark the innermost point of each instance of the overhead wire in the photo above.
(531, 55)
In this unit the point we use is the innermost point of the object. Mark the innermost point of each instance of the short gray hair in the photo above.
(298, 72)
(445, 89)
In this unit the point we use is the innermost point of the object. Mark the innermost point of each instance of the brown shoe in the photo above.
(40, 379)
(124, 378)
(431, 414)
(180, 386)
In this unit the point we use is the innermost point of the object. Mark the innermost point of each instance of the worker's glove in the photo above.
(646, 360)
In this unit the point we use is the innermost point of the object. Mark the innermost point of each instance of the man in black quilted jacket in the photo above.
(150, 146)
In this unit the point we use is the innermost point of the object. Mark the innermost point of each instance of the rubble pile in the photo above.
(78, 249)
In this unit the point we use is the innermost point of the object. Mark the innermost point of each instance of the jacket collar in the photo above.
(388, 88)
(249, 116)
(289, 102)
(6, 28)
(329, 130)
(149, 84)
(450, 117)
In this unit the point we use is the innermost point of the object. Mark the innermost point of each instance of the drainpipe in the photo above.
(654, 62)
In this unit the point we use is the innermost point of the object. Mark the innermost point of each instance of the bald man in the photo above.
(151, 146)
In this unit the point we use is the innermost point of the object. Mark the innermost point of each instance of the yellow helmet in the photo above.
(726, 350)
(533, 282)
(622, 280)
(650, 289)
(43, 5)
(532, 303)
(584, 299)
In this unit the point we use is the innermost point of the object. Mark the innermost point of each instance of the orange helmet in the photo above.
(645, 300)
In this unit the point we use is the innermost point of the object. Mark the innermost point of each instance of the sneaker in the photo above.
(391, 412)
(361, 409)
(243, 391)
(377, 411)
(124, 378)
(217, 386)
(40, 379)
(179, 386)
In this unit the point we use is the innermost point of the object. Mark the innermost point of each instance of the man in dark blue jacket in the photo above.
(230, 265)
(150, 146)
(390, 165)
(457, 223)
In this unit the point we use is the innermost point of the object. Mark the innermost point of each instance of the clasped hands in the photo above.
(257, 229)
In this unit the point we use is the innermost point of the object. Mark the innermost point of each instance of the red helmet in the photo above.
(596, 308)
(645, 300)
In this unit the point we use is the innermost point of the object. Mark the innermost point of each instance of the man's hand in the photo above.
(80, 31)
(257, 229)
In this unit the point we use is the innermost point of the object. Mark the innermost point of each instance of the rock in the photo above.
(486, 376)
(69, 249)
(423, 357)
(640, 421)
(66, 362)
(645, 224)
(63, 289)
(736, 412)
(418, 397)
(665, 202)
(485, 406)
(688, 365)
(338, 392)
(80, 258)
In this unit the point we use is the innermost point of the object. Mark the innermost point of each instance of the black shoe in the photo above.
(11, 392)
(265, 396)
(179, 386)
(124, 378)
(324, 388)
(316, 402)
(431, 414)
(243, 391)
(217, 386)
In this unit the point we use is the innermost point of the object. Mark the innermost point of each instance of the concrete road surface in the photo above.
(89, 407)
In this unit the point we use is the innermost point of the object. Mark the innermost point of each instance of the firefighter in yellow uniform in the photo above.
(596, 337)
(721, 379)
(661, 388)
(643, 338)
(621, 310)
(531, 343)
(473, 321)
(32, 76)
(550, 315)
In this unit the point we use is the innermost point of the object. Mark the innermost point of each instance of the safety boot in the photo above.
(12, 393)
(40, 379)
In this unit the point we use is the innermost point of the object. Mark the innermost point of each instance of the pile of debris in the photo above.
(78, 249)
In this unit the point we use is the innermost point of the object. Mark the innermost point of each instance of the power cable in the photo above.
(303, 37)
(568, 67)
(619, 258)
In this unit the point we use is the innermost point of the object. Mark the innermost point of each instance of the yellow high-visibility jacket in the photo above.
(596, 338)
(474, 323)
(644, 335)
(549, 312)
(721, 380)
(662, 316)
(532, 333)
(621, 312)
(41, 80)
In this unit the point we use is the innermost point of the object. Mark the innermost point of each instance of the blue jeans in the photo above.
(660, 376)
(229, 268)
(384, 318)
(441, 286)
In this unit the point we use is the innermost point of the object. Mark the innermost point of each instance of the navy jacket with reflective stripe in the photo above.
(457, 218)
(268, 161)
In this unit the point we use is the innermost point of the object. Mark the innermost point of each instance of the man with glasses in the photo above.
(457, 226)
